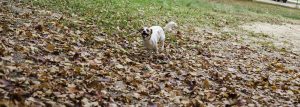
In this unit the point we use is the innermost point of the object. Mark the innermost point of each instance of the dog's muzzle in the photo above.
(144, 34)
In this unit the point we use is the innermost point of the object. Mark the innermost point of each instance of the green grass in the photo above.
(266, 9)
(132, 14)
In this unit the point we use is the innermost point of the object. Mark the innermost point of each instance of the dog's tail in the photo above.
(170, 26)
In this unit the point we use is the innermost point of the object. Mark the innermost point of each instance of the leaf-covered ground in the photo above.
(46, 62)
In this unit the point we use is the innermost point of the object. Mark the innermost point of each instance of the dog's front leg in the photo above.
(163, 46)
(149, 52)
(156, 49)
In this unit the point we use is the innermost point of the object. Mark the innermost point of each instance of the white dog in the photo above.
(153, 35)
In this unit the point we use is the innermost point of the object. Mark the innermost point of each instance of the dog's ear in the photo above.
(150, 31)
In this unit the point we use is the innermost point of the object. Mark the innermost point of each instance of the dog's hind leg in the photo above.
(162, 40)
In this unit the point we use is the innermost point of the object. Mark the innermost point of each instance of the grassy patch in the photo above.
(259, 35)
(267, 44)
(266, 9)
(132, 14)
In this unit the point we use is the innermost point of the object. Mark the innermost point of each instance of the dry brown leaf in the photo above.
(50, 47)
(206, 84)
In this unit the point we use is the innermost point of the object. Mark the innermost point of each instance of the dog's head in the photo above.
(146, 32)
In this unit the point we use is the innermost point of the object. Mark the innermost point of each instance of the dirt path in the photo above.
(281, 33)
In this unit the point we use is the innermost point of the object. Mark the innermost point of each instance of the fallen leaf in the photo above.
(50, 47)
(206, 84)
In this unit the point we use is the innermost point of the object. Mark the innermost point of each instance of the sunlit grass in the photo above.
(132, 14)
